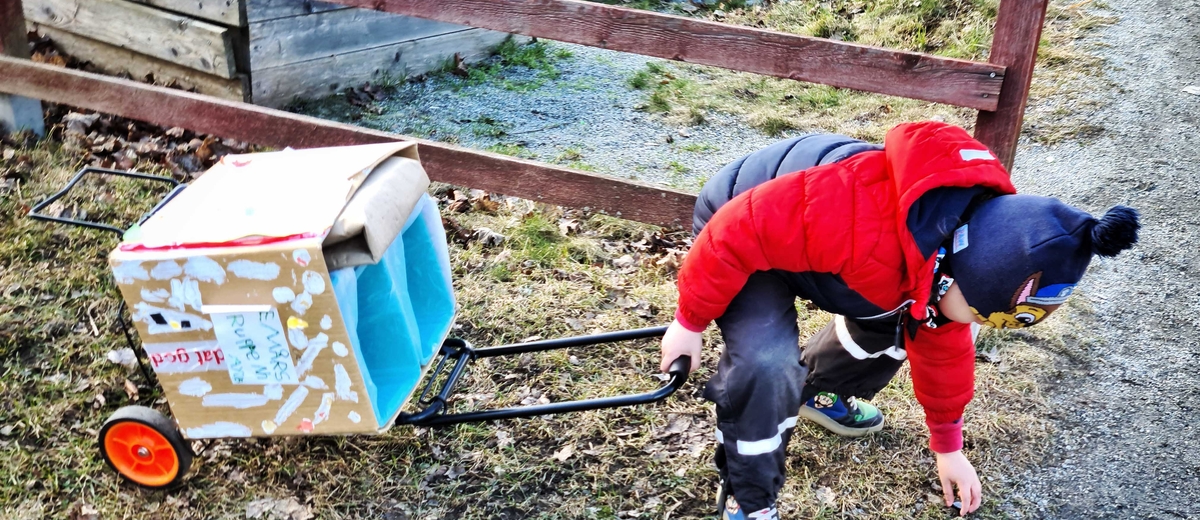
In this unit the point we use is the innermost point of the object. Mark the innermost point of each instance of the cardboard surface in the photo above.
(319, 389)
(249, 340)
(276, 194)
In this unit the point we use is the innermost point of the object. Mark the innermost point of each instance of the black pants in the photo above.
(762, 379)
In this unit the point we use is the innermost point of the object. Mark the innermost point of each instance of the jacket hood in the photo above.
(922, 158)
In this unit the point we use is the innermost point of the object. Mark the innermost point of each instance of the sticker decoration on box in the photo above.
(314, 283)
(239, 401)
(301, 257)
(323, 411)
(155, 296)
(283, 295)
(219, 429)
(293, 402)
(252, 270)
(297, 338)
(166, 270)
(302, 303)
(195, 387)
(165, 321)
(341, 384)
(306, 360)
(127, 272)
(204, 269)
(185, 292)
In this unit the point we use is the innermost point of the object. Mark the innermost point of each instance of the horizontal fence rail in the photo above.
(275, 128)
(817, 60)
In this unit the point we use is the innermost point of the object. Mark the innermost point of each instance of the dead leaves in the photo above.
(564, 453)
(277, 509)
(83, 511)
(682, 435)
(131, 390)
(112, 142)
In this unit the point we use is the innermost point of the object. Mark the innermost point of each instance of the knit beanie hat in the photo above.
(1019, 256)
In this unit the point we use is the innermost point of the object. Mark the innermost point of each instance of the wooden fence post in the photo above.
(1014, 45)
(17, 113)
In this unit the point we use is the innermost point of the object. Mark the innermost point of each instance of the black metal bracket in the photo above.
(457, 354)
(35, 212)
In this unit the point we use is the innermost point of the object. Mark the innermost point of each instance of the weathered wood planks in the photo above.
(261, 10)
(907, 74)
(224, 12)
(111, 59)
(178, 39)
(16, 112)
(277, 86)
(446, 163)
(285, 41)
(1018, 31)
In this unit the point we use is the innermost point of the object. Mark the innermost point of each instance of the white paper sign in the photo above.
(255, 348)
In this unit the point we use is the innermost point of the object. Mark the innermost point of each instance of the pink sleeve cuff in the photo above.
(687, 324)
(945, 437)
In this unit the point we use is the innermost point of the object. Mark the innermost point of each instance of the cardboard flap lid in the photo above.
(376, 214)
(275, 194)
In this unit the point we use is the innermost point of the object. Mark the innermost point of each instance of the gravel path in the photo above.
(589, 108)
(1129, 444)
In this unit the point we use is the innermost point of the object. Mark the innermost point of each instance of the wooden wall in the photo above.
(264, 51)
(308, 49)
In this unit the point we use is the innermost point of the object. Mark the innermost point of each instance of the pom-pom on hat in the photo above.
(1019, 257)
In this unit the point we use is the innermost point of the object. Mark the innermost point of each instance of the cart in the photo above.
(152, 450)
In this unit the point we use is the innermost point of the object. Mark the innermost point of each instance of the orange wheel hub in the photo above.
(141, 453)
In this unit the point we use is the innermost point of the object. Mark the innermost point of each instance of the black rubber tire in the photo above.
(160, 423)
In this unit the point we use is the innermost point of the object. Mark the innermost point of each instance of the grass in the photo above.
(557, 273)
(956, 28)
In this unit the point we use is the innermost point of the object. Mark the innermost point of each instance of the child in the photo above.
(908, 244)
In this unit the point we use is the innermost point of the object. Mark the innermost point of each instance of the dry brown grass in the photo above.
(645, 462)
(1067, 68)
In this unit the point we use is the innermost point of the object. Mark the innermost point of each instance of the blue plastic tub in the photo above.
(399, 310)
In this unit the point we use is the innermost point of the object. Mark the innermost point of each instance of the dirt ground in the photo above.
(1127, 445)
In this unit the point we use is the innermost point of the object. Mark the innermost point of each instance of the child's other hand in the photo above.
(678, 341)
(954, 470)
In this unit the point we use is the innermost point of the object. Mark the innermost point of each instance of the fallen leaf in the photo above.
(826, 497)
(565, 453)
(122, 356)
(624, 261)
(487, 237)
(131, 390)
(277, 509)
(503, 439)
(83, 511)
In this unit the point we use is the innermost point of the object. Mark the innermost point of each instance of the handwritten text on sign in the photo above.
(256, 352)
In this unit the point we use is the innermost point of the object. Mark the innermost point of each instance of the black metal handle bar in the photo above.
(462, 353)
(34, 213)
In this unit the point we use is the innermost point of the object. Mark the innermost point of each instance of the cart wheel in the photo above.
(145, 447)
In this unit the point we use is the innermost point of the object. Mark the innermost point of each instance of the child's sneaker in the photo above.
(844, 416)
(730, 510)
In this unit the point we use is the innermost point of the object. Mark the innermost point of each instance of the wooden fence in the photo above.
(998, 89)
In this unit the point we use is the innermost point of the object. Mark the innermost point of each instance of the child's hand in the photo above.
(954, 470)
(678, 341)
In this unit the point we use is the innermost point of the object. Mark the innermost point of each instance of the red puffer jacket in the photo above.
(852, 219)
